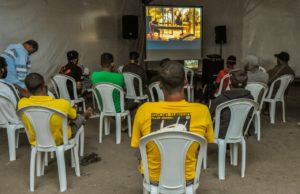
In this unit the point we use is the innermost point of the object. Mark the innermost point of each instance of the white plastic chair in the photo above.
(189, 86)
(61, 84)
(120, 69)
(154, 88)
(13, 91)
(130, 89)
(39, 118)
(227, 76)
(10, 121)
(173, 146)
(259, 91)
(239, 109)
(278, 96)
(104, 97)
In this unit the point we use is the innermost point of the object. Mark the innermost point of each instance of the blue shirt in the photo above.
(18, 64)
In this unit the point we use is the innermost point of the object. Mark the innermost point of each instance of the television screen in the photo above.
(192, 64)
(173, 32)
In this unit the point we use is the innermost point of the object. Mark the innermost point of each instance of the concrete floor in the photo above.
(272, 164)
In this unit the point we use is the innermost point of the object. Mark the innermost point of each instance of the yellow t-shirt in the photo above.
(56, 120)
(149, 117)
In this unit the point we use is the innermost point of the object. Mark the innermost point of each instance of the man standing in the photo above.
(282, 67)
(152, 116)
(17, 59)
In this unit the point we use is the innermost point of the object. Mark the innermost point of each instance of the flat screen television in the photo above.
(173, 32)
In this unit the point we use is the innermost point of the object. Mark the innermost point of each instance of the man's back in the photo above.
(278, 71)
(18, 65)
(152, 116)
(110, 77)
(56, 121)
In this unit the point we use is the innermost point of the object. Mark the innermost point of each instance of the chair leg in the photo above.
(221, 159)
(118, 129)
(145, 191)
(272, 111)
(129, 124)
(11, 135)
(82, 142)
(243, 160)
(39, 163)
(17, 137)
(61, 168)
(235, 148)
(257, 125)
(205, 159)
(76, 160)
(283, 111)
(32, 169)
(106, 125)
(100, 127)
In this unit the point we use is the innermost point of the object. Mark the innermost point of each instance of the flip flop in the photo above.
(88, 159)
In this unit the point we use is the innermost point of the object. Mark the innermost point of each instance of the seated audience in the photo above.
(230, 65)
(174, 109)
(7, 110)
(238, 79)
(134, 67)
(35, 84)
(282, 67)
(18, 64)
(155, 74)
(108, 76)
(253, 72)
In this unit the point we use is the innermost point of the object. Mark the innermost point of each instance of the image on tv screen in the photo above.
(173, 27)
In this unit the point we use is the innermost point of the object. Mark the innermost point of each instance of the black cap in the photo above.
(284, 56)
(72, 55)
(231, 60)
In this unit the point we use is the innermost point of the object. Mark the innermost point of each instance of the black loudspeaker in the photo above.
(220, 32)
(130, 26)
(210, 69)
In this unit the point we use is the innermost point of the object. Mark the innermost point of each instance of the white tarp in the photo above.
(261, 27)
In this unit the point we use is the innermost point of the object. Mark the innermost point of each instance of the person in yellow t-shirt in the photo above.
(151, 116)
(38, 96)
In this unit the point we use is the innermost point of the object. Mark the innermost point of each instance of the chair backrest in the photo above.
(120, 68)
(221, 87)
(239, 109)
(8, 113)
(189, 75)
(129, 83)
(104, 97)
(39, 118)
(173, 147)
(262, 69)
(284, 82)
(12, 89)
(258, 90)
(53, 88)
(155, 89)
(61, 83)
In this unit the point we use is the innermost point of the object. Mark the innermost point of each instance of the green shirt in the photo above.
(110, 77)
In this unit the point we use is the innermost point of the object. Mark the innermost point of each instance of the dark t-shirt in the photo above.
(73, 71)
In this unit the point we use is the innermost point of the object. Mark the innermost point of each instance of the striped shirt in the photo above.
(18, 64)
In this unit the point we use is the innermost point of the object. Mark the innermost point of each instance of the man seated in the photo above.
(152, 115)
(282, 67)
(238, 80)
(253, 72)
(7, 110)
(134, 67)
(35, 84)
(230, 65)
(73, 70)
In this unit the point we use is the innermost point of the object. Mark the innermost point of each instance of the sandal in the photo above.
(89, 159)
